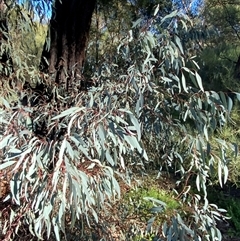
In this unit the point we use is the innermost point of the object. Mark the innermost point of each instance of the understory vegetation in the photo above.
(140, 143)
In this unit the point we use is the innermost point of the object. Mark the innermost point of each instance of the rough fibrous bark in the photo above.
(237, 69)
(68, 31)
(5, 58)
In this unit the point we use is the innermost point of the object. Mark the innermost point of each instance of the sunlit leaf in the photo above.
(156, 10)
(179, 44)
(136, 125)
(5, 140)
(154, 200)
(6, 164)
(109, 158)
(173, 14)
(230, 104)
(198, 182)
(220, 172)
(56, 229)
(69, 112)
(184, 83)
(225, 172)
(199, 81)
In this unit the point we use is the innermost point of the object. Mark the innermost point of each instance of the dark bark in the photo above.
(237, 69)
(69, 32)
(5, 58)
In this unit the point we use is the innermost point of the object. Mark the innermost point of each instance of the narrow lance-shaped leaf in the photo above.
(70, 124)
(184, 83)
(122, 161)
(161, 203)
(132, 141)
(220, 172)
(136, 125)
(195, 63)
(56, 228)
(84, 151)
(61, 153)
(6, 164)
(199, 81)
(179, 44)
(223, 99)
(150, 223)
(109, 158)
(102, 134)
(4, 141)
(166, 79)
(225, 171)
(198, 182)
(237, 95)
(156, 10)
(235, 149)
(205, 130)
(15, 186)
(5, 102)
(230, 104)
(173, 14)
(69, 111)
(70, 150)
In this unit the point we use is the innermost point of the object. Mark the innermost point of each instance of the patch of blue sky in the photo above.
(41, 8)
(192, 6)
(44, 7)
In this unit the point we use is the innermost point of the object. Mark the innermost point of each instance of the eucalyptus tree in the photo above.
(63, 148)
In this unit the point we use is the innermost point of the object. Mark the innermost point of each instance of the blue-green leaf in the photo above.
(179, 44)
(199, 81)
(184, 83)
(6, 164)
(230, 104)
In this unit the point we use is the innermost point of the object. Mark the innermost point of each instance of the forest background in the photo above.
(119, 120)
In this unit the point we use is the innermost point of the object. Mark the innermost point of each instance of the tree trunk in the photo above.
(237, 69)
(68, 33)
(5, 58)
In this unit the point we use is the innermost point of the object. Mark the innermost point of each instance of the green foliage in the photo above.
(111, 22)
(230, 134)
(23, 45)
(27, 37)
(231, 203)
(139, 204)
(220, 50)
(217, 67)
(223, 15)
(150, 205)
